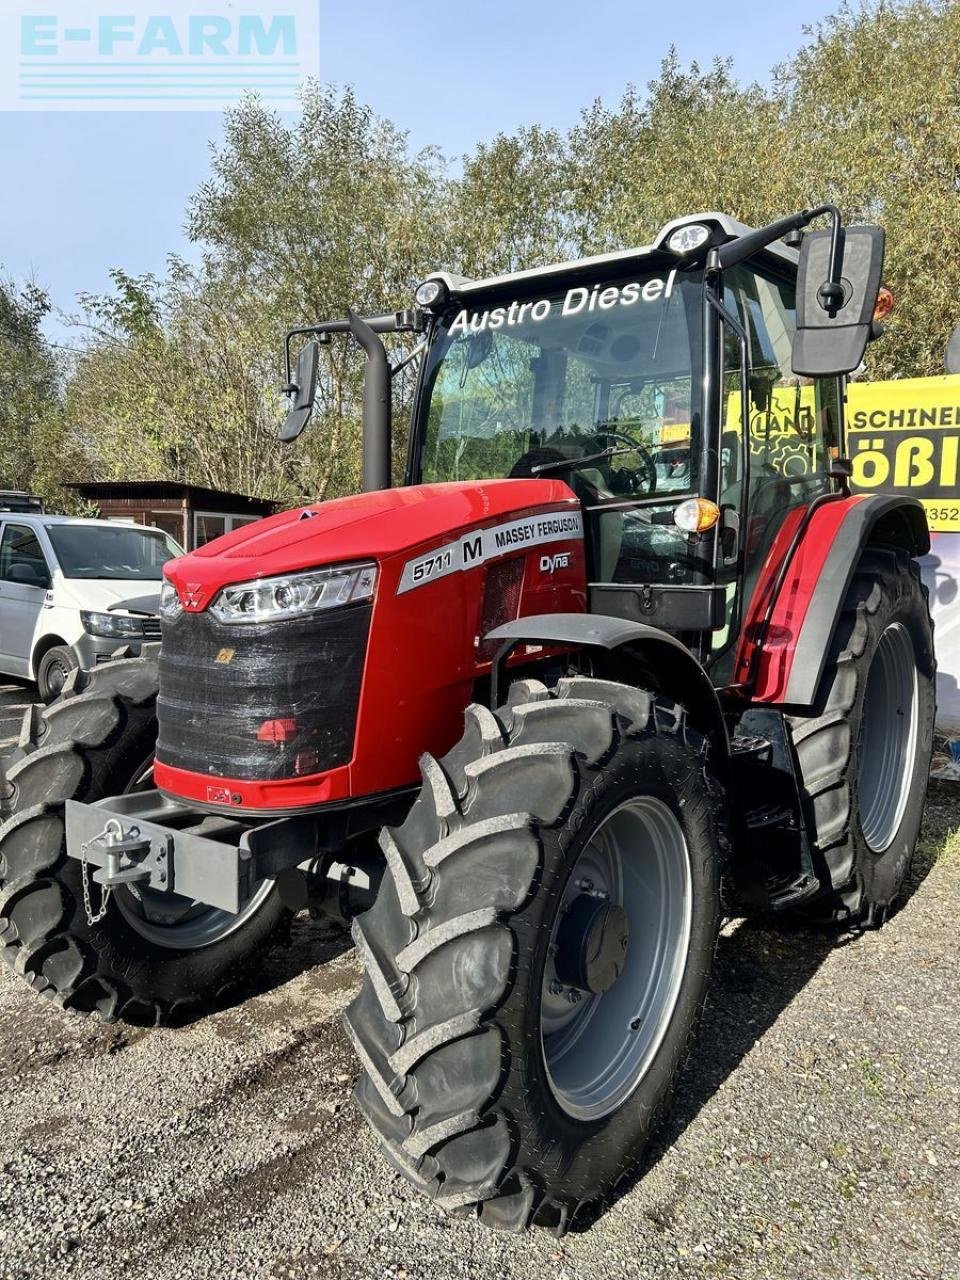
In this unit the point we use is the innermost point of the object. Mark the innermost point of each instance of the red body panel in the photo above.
(423, 655)
(775, 660)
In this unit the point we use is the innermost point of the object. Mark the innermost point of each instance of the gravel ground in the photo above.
(15, 698)
(816, 1132)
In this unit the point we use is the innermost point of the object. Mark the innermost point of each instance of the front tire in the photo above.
(53, 671)
(864, 755)
(493, 944)
(97, 740)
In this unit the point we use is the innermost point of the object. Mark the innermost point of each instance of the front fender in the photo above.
(659, 660)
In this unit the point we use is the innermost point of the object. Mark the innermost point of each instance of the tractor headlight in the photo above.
(111, 626)
(295, 594)
(170, 606)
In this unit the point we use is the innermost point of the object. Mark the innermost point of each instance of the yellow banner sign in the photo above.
(904, 437)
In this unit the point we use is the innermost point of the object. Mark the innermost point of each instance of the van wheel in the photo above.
(55, 666)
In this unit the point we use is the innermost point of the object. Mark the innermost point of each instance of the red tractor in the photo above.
(622, 655)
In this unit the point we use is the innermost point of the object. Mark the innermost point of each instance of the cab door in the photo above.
(793, 432)
(24, 582)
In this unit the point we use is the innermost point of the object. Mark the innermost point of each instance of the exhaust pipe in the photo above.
(377, 406)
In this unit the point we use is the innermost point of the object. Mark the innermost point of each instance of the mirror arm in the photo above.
(402, 364)
(830, 293)
(735, 251)
(410, 321)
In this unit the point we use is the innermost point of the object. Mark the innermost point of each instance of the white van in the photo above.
(73, 591)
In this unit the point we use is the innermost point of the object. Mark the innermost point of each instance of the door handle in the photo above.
(730, 536)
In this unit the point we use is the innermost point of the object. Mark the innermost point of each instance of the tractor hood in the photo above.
(366, 526)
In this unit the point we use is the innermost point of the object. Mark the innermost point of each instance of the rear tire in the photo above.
(469, 1078)
(864, 756)
(96, 741)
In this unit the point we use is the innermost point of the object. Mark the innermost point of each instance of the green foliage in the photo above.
(31, 428)
(179, 377)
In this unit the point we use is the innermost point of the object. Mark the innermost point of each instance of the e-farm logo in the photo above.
(131, 55)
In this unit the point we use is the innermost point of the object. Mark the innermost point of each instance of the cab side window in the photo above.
(21, 557)
(794, 421)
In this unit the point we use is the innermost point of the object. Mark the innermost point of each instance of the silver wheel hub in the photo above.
(888, 738)
(617, 955)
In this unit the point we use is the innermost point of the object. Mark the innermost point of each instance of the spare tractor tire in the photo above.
(97, 740)
(539, 952)
(864, 755)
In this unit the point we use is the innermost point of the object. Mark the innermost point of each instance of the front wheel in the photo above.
(539, 953)
(142, 956)
(54, 670)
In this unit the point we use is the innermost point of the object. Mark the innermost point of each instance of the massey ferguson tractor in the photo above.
(622, 655)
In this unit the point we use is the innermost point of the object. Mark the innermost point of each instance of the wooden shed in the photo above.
(189, 513)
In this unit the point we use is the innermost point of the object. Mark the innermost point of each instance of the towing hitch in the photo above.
(136, 841)
(124, 853)
(153, 843)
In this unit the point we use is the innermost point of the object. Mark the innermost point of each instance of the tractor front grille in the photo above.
(261, 702)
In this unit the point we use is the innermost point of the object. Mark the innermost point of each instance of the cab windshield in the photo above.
(592, 383)
(122, 552)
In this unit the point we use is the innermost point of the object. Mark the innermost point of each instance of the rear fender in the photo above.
(789, 654)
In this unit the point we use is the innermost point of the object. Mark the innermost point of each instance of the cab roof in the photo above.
(729, 227)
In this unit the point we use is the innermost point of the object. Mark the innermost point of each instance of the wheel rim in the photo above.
(171, 921)
(56, 677)
(888, 738)
(597, 1048)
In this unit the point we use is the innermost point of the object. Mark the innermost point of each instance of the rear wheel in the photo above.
(151, 957)
(864, 757)
(539, 952)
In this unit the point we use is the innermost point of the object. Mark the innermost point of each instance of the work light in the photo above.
(688, 239)
(431, 294)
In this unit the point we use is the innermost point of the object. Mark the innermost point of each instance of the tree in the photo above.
(874, 107)
(30, 380)
(333, 213)
(511, 208)
(180, 377)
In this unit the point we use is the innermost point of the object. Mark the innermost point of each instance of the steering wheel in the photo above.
(640, 482)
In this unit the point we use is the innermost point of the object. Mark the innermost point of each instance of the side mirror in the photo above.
(833, 331)
(304, 390)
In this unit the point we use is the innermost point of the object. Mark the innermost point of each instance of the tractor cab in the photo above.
(690, 394)
(682, 429)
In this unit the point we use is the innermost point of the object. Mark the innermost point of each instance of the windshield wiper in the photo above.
(572, 464)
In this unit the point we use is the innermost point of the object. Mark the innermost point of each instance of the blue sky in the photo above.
(88, 191)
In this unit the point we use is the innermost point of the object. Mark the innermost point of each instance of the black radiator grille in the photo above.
(261, 702)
